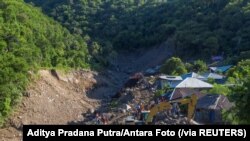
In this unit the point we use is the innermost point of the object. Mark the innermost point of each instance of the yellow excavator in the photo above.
(191, 101)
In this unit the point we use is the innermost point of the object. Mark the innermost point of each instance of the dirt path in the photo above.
(53, 101)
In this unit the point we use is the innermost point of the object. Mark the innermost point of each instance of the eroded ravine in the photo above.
(65, 101)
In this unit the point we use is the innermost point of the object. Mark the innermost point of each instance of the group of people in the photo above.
(141, 111)
(101, 119)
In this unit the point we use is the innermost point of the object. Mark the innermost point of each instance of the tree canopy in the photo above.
(30, 40)
(84, 33)
(173, 66)
(240, 95)
(198, 28)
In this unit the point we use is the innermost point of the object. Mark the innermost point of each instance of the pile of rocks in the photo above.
(167, 118)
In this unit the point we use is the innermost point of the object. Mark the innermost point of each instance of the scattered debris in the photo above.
(132, 103)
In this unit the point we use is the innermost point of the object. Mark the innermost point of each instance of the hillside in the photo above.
(65, 98)
(94, 33)
(50, 100)
(198, 28)
(103, 61)
(29, 41)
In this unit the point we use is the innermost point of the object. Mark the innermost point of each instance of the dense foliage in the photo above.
(220, 89)
(240, 94)
(240, 114)
(173, 66)
(30, 40)
(239, 72)
(199, 66)
(198, 28)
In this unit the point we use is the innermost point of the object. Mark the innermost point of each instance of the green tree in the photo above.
(212, 45)
(199, 66)
(30, 40)
(239, 72)
(199, 28)
(173, 66)
(240, 95)
(189, 67)
(240, 113)
(220, 89)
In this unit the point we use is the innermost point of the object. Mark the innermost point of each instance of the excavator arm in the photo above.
(158, 108)
(192, 101)
(168, 105)
(191, 107)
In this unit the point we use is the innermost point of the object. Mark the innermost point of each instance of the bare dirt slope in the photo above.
(52, 101)
(58, 101)
(64, 98)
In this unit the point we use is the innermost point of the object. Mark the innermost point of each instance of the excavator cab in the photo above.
(190, 101)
